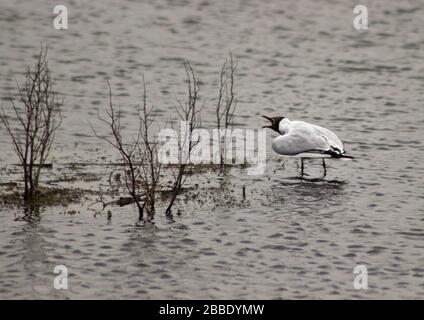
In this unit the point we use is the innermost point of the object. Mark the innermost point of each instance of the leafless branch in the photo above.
(226, 104)
(189, 113)
(141, 169)
(38, 117)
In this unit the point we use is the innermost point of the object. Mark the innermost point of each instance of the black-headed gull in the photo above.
(305, 140)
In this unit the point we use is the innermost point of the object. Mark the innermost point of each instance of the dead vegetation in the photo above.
(141, 179)
(189, 113)
(142, 169)
(37, 117)
(129, 151)
(226, 105)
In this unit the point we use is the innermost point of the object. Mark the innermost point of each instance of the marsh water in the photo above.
(289, 238)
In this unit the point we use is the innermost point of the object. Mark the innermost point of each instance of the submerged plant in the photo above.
(142, 169)
(189, 113)
(226, 105)
(38, 116)
(132, 151)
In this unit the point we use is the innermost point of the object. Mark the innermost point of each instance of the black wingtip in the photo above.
(335, 154)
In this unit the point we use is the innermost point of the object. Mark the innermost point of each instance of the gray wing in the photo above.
(334, 141)
(302, 138)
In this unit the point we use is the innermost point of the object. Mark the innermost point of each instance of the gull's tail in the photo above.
(335, 154)
(346, 157)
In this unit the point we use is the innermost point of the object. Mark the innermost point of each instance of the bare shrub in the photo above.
(150, 166)
(226, 104)
(141, 168)
(189, 112)
(38, 116)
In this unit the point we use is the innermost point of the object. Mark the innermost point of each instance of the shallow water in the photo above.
(290, 238)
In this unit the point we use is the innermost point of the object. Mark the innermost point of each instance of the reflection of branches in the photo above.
(189, 115)
(38, 122)
(226, 104)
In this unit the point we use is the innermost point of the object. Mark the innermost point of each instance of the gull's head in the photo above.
(274, 122)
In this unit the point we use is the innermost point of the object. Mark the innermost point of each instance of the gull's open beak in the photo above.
(269, 119)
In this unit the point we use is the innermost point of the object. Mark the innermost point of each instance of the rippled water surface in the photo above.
(289, 238)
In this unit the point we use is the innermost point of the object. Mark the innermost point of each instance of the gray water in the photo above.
(289, 238)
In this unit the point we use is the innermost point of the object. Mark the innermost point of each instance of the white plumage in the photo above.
(304, 140)
(302, 137)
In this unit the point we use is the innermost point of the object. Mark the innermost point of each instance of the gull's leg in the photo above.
(325, 167)
(301, 167)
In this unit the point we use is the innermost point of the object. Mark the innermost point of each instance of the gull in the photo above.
(305, 140)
